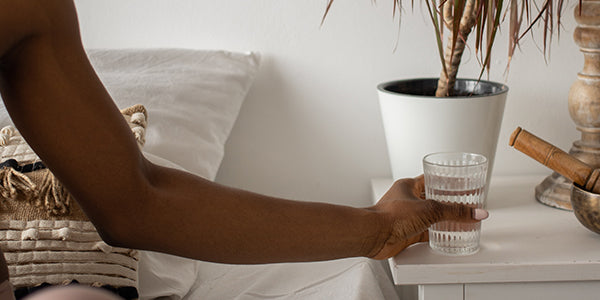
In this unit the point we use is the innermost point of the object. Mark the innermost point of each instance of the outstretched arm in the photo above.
(62, 109)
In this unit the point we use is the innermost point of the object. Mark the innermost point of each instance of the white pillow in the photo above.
(193, 98)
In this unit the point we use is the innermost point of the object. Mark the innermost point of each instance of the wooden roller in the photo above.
(552, 157)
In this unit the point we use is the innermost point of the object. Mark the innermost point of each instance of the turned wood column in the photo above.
(584, 106)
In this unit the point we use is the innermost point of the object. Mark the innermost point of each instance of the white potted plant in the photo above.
(424, 115)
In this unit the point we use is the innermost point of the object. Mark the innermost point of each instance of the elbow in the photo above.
(125, 231)
(115, 232)
(121, 223)
(127, 226)
(114, 237)
(122, 214)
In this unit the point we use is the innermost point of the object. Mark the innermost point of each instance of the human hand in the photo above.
(407, 215)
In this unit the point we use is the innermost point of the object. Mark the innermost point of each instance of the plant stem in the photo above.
(453, 53)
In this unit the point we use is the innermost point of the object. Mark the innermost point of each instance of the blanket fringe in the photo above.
(48, 193)
(53, 196)
(16, 185)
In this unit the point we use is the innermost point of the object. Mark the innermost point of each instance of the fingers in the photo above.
(454, 212)
(407, 188)
(419, 186)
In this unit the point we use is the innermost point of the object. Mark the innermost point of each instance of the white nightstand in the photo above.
(528, 251)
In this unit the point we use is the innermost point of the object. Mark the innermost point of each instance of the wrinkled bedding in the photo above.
(356, 278)
(170, 277)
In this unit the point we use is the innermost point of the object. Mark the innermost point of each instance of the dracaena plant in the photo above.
(462, 19)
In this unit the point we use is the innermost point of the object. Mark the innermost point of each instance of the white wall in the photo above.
(310, 128)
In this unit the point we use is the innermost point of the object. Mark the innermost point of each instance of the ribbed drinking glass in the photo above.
(455, 177)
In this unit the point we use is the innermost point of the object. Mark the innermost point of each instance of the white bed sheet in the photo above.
(348, 279)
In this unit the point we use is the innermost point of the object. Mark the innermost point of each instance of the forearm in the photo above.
(212, 222)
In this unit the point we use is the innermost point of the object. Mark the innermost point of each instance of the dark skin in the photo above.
(58, 104)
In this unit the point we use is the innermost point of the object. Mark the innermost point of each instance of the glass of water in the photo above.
(455, 177)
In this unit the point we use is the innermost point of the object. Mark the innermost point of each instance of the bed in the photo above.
(352, 279)
(193, 98)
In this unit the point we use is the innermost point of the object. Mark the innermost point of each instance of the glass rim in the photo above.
(473, 163)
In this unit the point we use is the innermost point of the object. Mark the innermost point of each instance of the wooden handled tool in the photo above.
(561, 162)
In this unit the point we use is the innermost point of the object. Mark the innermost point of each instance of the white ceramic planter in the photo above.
(416, 124)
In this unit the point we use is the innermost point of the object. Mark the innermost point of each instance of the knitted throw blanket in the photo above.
(44, 234)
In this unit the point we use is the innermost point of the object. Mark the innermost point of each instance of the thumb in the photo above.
(439, 211)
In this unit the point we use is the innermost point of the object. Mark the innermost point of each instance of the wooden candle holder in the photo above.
(584, 106)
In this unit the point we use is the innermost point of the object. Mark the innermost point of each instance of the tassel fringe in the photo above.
(52, 195)
(48, 194)
(16, 185)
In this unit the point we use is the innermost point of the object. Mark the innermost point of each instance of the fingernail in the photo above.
(480, 214)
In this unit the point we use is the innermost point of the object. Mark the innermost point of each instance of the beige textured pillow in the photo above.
(45, 236)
